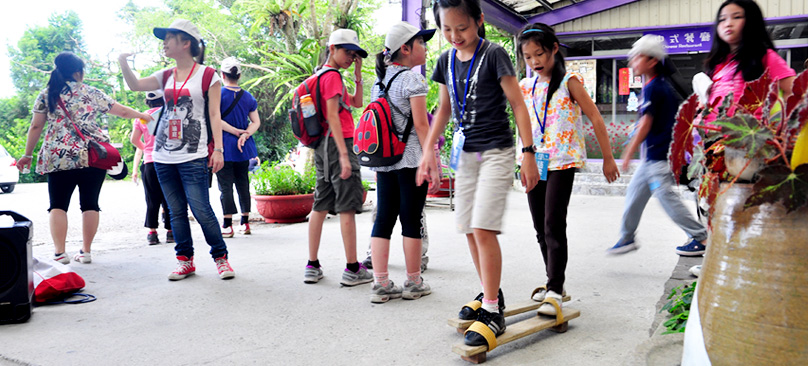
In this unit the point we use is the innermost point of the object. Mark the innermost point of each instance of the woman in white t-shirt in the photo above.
(190, 120)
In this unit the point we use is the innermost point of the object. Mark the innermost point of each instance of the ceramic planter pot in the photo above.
(735, 160)
(284, 209)
(752, 289)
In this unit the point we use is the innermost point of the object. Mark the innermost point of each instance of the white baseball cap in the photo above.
(154, 94)
(401, 32)
(649, 45)
(229, 63)
(179, 25)
(348, 40)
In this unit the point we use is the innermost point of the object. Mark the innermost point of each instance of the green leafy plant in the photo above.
(762, 125)
(281, 179)
(678, 306)
(367, 186)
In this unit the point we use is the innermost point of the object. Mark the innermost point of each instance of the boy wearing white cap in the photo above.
(398, 194)
(339, 187)
(658, 109)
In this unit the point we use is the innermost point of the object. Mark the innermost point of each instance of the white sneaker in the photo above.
(542, 293)
(83, 257)
(547, 308)
(62, 258)
(245, 229)
(696, 270)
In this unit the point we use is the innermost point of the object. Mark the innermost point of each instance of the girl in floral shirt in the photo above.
(63, 156)
(555, 99)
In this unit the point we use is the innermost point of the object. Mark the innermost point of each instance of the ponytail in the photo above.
(232, 74)
(66, 64)
(559, 70)
(381, 65)
(201, 58)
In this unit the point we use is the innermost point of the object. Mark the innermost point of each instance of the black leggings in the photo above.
(154, 198)
(234, 172)
(398, 196)
(61, 185)
(548, 206)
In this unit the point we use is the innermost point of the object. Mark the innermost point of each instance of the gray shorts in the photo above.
(483, 181)
(332, 193)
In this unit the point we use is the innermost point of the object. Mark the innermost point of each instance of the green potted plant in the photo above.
(283, 195)
(366, 186)
(758, 208)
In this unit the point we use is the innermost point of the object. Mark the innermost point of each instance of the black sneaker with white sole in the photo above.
(471, 310)
(485, 330)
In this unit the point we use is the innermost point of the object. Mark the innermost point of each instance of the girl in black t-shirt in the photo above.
(476, 78)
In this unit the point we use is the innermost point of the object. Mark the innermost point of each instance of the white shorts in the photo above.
(483, 182)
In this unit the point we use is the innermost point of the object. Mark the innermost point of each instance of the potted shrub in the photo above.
(366, 186)
(757, 221)
(283, 195)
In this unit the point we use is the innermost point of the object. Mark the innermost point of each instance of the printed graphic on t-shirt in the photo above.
(469, 116)
(179, 128)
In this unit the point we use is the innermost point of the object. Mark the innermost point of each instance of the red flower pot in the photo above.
(284, 209)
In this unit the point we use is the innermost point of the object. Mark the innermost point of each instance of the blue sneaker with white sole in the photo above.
(691, 249)
(622, 247)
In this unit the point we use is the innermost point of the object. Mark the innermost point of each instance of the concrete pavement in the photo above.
(267, 315)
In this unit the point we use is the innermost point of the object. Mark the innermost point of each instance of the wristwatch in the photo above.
(219, 149)
(529, 149)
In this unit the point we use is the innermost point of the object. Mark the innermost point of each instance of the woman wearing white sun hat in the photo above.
(190, 119)
(239, 122)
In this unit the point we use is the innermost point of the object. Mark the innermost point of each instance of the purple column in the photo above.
(412, 12)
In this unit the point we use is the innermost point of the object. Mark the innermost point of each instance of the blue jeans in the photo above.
(186, 184)
(654, 178)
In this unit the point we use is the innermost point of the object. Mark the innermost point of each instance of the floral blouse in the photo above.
(563, 132)
(62, 148)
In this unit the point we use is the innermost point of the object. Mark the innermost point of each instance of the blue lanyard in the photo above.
(462, 109)
(542, 122)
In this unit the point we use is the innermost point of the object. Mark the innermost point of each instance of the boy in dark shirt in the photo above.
(654, 130)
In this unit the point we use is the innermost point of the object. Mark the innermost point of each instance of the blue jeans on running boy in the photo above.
(653, 177)
(186, 184)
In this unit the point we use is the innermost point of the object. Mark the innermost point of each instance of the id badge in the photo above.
(457, 148)
(175, 129)
(542, 162)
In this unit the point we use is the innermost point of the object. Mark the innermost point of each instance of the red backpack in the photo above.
(207, 76)
(312, 129)
(376, 139)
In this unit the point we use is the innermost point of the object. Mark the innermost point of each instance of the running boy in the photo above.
(653, 177)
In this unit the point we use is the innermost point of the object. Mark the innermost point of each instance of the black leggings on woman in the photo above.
(234, 172)
(61, 185)
(154, 198)
(548, 206)
(398, 196)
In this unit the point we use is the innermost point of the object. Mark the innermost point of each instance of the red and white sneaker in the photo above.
(225, 271)
(245, 229)
(184, 269)
(227, 232)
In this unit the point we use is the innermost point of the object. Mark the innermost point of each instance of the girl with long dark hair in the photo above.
(556, 98)
(742, 50)
(66, 105)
